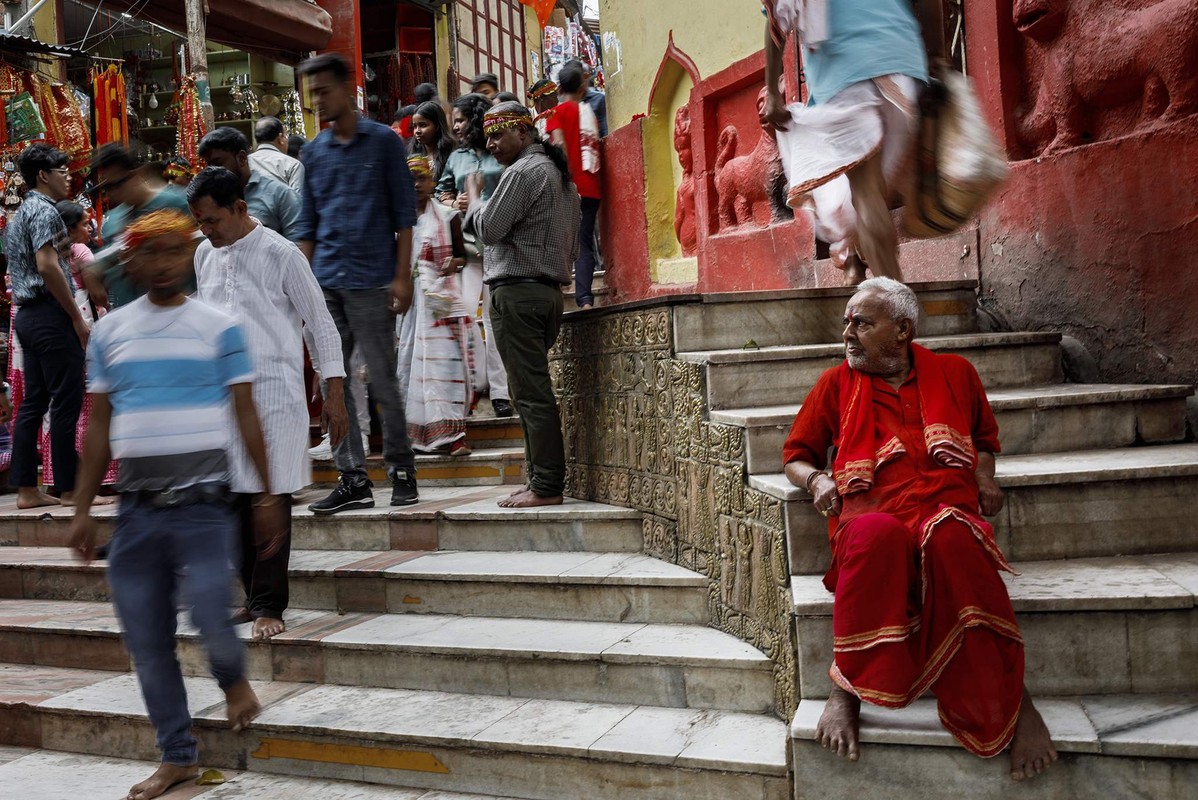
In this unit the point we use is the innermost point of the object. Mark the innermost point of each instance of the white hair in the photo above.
(899, 299)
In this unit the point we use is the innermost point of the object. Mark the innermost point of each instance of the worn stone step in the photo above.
(678, 666)
(1035, 419)
(536, 749)
(773, 376)
(1093, 503)
(483, 467)
(450, 518)
(47, 775)
(1090, 626)
(807, 316)
(1110, 746)
(602, 587)
(483, 431)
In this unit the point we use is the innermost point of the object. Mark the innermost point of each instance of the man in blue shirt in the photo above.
(271, 202)
(359, 206)
(845, 153)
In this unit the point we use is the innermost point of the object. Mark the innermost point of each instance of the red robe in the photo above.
(919, 602)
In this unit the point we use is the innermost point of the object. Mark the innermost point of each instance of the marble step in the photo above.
(599, 587)
(535, 749)
(450, 518)
(677, 666)
(1110, 746)
(807, 316)
(1034, 419)
(484, 467)
(1084, 504)
(1090, 626)
(772, 376)
(47, 775)
(483, 431)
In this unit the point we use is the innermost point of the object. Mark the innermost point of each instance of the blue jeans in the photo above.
(161, 558)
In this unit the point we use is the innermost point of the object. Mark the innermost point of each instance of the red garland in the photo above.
(191, 122)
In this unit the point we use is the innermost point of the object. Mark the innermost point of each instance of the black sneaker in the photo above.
(503, 408)
(403, 488)
(346, 496)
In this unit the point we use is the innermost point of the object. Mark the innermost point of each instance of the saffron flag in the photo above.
(543, 8)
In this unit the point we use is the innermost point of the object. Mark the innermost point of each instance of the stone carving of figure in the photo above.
(749, 182)
(684, 202)
(1104, 70)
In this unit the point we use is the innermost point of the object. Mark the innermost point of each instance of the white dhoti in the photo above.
(823, 142)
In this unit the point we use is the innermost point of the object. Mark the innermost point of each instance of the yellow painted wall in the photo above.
(715, 33)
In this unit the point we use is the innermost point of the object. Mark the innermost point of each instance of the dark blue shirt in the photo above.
(356, 196)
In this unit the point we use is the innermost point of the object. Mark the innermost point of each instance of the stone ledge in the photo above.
(798, 352)
(1051, 469)
(1154, 583)
(706, 740)
(1148, 726)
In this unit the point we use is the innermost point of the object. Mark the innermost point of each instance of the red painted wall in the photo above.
(1096, 230)
(347, 39)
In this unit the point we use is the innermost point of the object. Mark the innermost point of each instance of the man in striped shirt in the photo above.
(264, 281)
(168, 375)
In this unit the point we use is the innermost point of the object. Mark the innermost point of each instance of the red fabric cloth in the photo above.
(565, 119)
(919, 602)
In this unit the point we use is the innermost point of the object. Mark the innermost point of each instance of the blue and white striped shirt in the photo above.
(167, 373)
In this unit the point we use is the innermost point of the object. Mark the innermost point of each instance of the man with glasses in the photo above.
(123, 182)
(50, 327)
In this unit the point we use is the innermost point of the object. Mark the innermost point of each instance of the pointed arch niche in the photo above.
(664, 173)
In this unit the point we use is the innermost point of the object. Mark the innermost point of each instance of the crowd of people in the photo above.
(172, 357)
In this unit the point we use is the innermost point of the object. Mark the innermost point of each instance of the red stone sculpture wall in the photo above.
(1096, 231)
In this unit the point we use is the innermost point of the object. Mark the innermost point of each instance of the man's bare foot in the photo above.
(158, 784)
(68, 499)
(267, 627)
(1032, 750)
(840, 724)
(530, 499)
(32, 497)
(854, 271)
(242, 705)
(521, 490)
(240, 617)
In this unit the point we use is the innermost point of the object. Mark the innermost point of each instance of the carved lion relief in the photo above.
(1097, 70)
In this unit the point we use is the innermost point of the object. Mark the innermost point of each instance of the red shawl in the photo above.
(946, 427)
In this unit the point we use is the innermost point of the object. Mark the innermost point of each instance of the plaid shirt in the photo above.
(530, 225)
(35, 225)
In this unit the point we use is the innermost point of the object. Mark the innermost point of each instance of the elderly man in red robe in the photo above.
(919, 602)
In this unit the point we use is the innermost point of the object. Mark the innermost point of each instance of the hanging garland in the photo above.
(191, 122)
(293, 114)
(112, 121)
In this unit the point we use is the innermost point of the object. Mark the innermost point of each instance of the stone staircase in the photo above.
(1099, 521)
(448, 647)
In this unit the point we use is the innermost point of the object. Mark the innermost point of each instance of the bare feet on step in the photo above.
(242, 705)
(1032, 750)
(527, 498)
(31, 497)
(240, 617)
(267, 628)
(158, 784)
(840, 724)
(854, 271)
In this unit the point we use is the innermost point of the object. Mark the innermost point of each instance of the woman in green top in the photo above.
(472, 157)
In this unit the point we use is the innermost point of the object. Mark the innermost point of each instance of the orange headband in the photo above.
(155, 224)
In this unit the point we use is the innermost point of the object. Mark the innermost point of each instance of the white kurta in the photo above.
(265, 282)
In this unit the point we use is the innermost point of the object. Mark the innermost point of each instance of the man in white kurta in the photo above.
(265, 282)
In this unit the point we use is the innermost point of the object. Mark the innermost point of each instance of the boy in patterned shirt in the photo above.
(168, 375)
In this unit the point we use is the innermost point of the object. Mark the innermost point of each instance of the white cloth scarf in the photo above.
(808, 17)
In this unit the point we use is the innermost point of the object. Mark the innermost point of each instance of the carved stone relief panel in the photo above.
(636, 436)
